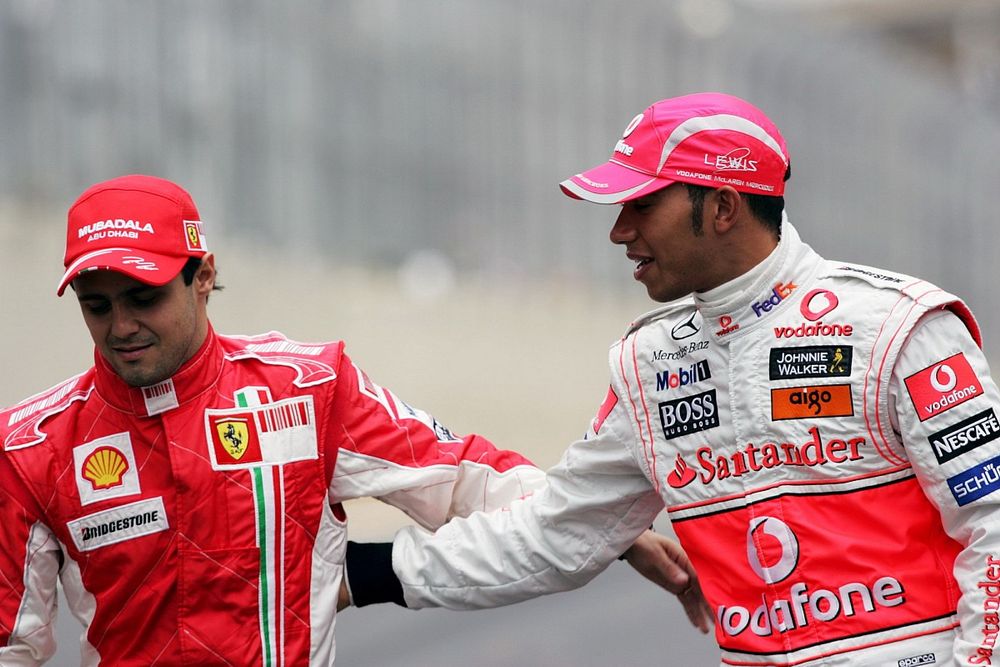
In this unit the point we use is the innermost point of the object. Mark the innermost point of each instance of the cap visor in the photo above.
(612, 183)
(146, 267)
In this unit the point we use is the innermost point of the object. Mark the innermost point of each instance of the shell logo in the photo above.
(105, 467)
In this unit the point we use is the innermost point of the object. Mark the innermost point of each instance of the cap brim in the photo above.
(612, 183)
(146, 267)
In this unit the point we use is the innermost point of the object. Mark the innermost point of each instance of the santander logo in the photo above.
(682, 474)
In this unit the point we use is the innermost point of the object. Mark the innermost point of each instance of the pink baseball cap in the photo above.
(143, 226)
(708, 139)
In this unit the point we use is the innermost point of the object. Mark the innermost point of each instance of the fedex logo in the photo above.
(778, 294)
(944, 385)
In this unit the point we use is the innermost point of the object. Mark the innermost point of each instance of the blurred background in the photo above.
(385, 172)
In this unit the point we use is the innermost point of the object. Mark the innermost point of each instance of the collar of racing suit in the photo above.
(198, 373)
(740, 305)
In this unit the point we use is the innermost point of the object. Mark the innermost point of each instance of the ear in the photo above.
(204, 277)
(727, 208)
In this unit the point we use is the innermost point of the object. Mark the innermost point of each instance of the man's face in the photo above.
(145, 333)
(672, 259)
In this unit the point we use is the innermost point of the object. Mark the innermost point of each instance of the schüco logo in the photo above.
(773, 555)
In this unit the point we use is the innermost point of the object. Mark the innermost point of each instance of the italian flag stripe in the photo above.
(268, 493)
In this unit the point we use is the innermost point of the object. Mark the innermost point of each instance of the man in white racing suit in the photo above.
(823, 435)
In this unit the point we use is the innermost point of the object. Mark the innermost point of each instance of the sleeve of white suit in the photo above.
(595, 503)
(945, 407)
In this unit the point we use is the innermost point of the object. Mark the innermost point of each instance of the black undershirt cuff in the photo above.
(370, 575)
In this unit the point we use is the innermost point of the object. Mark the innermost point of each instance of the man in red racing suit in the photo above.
(824, 436)
(187, 488)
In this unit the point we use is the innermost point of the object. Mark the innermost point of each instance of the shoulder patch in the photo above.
(25, 417)
(312, 362)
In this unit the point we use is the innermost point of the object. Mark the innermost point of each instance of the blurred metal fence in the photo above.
(361, 131)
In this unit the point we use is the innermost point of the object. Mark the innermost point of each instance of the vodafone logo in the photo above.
(818, 303)
(942, 386)
(943, 378)
(772, 549)
(727, 326)
(634, 123)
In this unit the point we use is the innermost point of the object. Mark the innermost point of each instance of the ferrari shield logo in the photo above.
(234, 437)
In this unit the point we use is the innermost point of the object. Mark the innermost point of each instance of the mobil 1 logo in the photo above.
(683, 416)
(965, 436)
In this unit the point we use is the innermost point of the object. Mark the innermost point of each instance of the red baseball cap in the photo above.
(143, 226)
(708, 139)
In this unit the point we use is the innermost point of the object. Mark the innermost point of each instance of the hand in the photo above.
(344, 596)
(663, 561)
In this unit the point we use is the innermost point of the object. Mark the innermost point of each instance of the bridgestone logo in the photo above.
(965, 436)
(119, 524)
(116, 525)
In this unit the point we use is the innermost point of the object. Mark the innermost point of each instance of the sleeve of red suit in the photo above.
(390, 450)
(29, 566)
(945, 406)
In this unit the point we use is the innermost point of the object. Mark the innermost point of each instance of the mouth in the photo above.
(131, 352)
(641, 262)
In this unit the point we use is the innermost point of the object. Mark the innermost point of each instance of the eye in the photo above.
(145, 300)
(95, 307)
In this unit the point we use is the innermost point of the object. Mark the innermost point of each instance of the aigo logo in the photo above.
(765, 535)
(818, 303)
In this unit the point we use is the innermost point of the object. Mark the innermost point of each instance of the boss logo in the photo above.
(683, 416)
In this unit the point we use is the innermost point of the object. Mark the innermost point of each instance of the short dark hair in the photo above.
(190, 268)
(766, 209)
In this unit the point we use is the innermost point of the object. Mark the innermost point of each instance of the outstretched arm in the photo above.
(663, 561)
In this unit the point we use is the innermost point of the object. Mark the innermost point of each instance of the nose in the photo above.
(623, 231)
(123, 323)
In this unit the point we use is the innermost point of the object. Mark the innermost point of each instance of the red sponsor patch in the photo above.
(234, 437)
(610, 401)
(942, 386)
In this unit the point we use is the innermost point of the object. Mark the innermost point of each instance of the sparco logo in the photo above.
(683, 416)
(671, 380)
(917, 660)
(772, 549)
(965, 436)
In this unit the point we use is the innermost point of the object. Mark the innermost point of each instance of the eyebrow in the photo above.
(131, 291)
